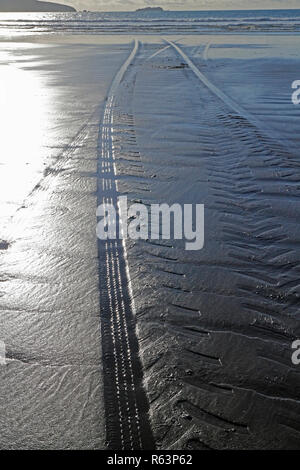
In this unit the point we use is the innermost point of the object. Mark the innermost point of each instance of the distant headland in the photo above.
(31, 6)
(158, 9)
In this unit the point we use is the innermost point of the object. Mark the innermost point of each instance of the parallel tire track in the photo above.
(223, 97)
(127, 424)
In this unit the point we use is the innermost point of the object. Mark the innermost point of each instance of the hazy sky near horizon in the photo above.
(119, 5)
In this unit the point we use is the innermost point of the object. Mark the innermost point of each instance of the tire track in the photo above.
(226, 99)
(127, 423)
(205, 53)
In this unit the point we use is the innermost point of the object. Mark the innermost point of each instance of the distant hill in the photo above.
(150, 9)
(32, 5)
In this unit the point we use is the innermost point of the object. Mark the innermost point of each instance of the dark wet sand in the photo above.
(215, 326)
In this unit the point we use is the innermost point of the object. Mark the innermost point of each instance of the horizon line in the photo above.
(164, 10)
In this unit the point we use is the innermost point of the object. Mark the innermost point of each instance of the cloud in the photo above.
(120, 5)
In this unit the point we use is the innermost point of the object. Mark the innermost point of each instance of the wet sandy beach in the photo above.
(211, 331)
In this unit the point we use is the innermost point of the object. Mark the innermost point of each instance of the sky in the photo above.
(125, 5)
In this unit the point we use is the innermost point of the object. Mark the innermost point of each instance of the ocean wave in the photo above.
(162, 22)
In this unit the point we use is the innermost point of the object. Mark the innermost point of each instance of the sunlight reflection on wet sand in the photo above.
(24, 114)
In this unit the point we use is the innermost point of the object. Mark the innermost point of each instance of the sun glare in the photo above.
(23, 122)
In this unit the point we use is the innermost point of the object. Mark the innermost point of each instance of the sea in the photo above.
(151, 22)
